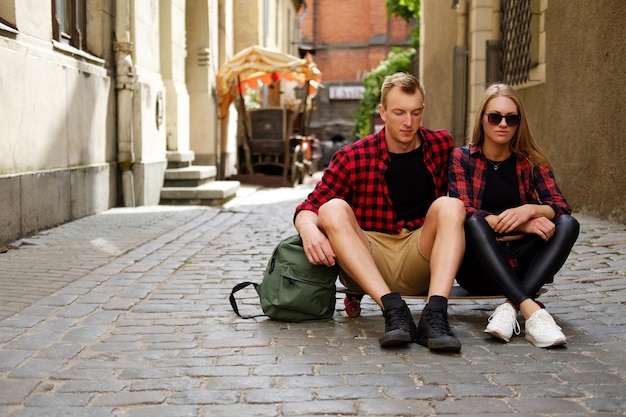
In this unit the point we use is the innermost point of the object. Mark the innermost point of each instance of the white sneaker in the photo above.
(503, 322)
(542, 330)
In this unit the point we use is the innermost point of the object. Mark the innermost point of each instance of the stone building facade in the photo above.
(567, 59)
(99, 95)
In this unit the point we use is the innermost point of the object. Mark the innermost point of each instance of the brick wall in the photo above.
(350, 38)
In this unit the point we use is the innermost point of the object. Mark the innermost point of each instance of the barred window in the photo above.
(515, 41)
(516, 57)
(69, 22)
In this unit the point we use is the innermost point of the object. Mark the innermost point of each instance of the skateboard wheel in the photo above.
(346, 300)
(351, 298)
(353, 307)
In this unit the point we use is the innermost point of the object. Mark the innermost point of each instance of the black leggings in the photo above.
(486, 269)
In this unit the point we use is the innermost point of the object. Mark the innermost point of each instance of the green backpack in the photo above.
(293, 289)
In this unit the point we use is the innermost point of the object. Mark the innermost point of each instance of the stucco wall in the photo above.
(438, 37)
(578, 114)
(58, 123)
(56, 133)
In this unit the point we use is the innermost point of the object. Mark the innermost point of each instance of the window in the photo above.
(68, 22)
(518, 57)
(515, 41)
(7, 17)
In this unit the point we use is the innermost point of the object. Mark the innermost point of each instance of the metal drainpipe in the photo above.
(124, 86)
(300, 20)
(461, 37)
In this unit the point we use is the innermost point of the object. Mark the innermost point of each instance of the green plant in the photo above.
(398, 60)
(252, 98)
(408, 10)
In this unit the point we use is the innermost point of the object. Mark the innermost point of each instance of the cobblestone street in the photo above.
(126, 313)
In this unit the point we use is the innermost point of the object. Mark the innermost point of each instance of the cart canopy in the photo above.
(257, 65)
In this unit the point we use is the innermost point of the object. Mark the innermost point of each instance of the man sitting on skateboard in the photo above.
(381, 212)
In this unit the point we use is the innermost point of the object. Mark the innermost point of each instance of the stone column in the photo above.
(173, 53)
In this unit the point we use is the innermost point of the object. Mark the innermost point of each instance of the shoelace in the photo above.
(438, 322)
(516, 327)
(546, 322)
(395, 318)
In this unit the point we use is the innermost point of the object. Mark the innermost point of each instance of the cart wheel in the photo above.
(353, 306)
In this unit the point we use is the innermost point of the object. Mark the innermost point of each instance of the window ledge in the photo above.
(7, 28)
(77, 52)
(536, 75)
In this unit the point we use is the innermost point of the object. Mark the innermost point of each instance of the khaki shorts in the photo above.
(399, 260)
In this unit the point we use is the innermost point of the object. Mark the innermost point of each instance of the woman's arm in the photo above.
(549, 193)
(461, 183)
(527, 218)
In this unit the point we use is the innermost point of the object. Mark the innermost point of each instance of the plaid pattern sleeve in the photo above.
(467, 175)
(356, 174)
(540, 187)
(438, 146)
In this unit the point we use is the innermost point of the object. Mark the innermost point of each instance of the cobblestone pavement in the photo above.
(126, 314)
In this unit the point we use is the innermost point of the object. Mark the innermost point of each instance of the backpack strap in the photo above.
(233, 302)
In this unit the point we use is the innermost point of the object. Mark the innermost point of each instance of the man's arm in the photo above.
(316, 245)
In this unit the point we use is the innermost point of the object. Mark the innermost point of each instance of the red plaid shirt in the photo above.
(356, 174)
(468, 173)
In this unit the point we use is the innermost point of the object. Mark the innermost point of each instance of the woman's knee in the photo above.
(568, 222)
(477, 226)
(567, 226)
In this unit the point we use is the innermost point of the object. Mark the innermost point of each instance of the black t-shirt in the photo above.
(501, 187)
(410, 184)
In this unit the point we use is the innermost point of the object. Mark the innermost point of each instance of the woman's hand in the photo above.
(511, 219)
(529, 218)
(541, 226)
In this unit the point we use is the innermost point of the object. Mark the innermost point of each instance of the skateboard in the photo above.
(352, 299)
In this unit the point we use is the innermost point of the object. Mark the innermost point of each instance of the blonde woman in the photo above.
(519, 229)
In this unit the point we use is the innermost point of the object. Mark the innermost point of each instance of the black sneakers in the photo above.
(433, 330)
(400, 329)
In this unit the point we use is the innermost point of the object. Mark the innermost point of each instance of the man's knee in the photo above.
(452, 209)
(334, 212)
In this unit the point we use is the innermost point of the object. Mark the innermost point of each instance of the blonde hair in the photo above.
(405, 81)
(523, 141)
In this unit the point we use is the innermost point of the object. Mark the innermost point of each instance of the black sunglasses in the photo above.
(512, 120)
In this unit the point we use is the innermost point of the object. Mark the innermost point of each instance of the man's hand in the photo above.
(316, 246)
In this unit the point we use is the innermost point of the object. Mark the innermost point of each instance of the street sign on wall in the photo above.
(346, 92)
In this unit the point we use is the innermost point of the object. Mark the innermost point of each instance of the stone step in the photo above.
(180, 156)
(191, 176)
(179, 159)
(214, 193)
